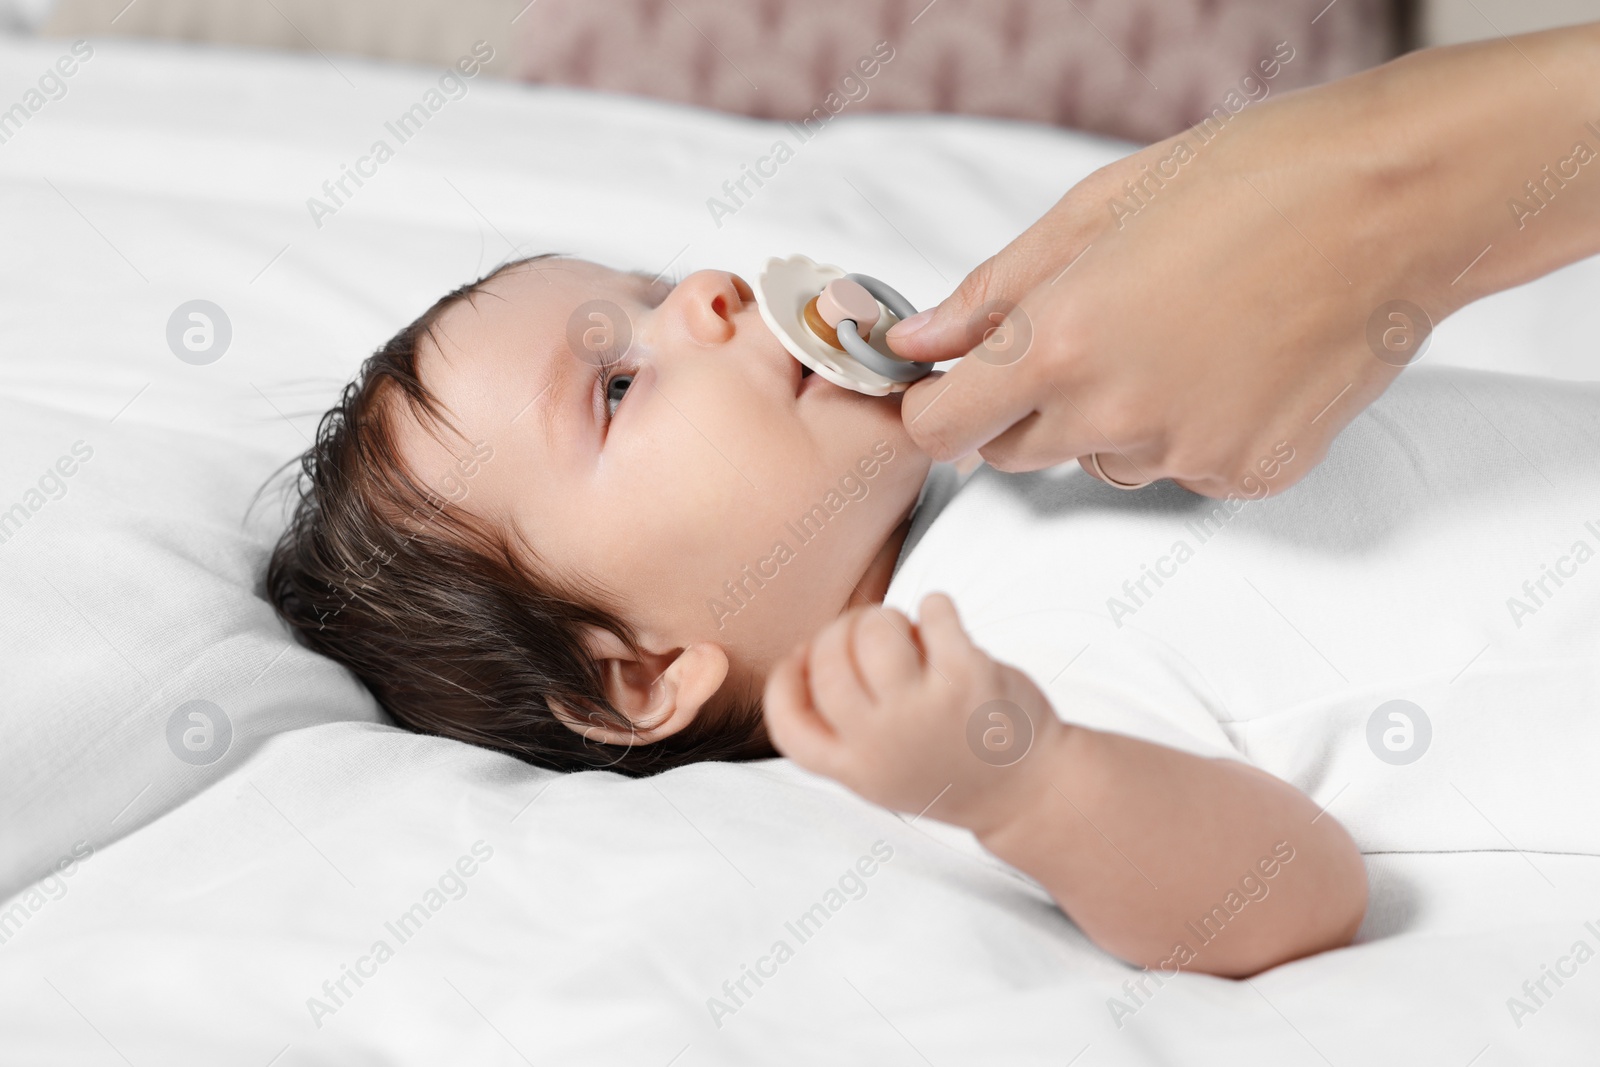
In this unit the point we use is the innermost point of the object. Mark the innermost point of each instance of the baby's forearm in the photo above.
(1166, 859)
(1176, 862)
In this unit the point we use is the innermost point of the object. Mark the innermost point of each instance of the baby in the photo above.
(596, 521)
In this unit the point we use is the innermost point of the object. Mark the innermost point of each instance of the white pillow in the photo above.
(129, 576)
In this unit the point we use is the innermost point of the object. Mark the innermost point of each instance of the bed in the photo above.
(217, 849)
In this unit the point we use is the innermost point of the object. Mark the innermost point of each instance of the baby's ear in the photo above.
(659, 692)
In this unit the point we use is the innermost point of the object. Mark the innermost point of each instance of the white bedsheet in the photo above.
(213, 908)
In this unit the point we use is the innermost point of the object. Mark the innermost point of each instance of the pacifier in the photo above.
(834, 323)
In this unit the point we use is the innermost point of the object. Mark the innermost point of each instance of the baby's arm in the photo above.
(1167, 859)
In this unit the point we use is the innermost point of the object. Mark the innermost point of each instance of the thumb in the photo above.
(942, 332)
(993, 289)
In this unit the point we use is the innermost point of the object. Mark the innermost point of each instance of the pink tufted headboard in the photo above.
(1141, 69)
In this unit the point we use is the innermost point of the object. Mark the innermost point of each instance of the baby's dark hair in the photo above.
(453, 628)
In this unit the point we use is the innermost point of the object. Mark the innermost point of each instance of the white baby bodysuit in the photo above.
(1446, 553)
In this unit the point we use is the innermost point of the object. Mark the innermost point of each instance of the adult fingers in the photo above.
(945, 330)
(998, 283)
(950, 415)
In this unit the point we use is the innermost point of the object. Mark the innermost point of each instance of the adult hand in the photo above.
(1216, 307)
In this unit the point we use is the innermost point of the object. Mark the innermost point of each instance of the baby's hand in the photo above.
(909, 714)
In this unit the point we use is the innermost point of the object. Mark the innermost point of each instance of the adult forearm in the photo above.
(1494, 148)
(1176, 862)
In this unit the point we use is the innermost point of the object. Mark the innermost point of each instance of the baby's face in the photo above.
(710, 491)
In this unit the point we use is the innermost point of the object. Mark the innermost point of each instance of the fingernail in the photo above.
(907, 327)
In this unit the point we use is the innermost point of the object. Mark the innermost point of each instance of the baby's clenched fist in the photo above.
(914, 716)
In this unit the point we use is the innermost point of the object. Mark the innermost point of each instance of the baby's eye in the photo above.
(615, 387)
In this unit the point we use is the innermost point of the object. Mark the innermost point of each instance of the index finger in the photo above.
(993, 388)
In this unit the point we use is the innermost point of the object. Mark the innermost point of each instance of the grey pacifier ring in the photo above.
(896, 370)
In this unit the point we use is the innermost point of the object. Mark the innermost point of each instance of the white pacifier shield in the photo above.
(783, 290)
